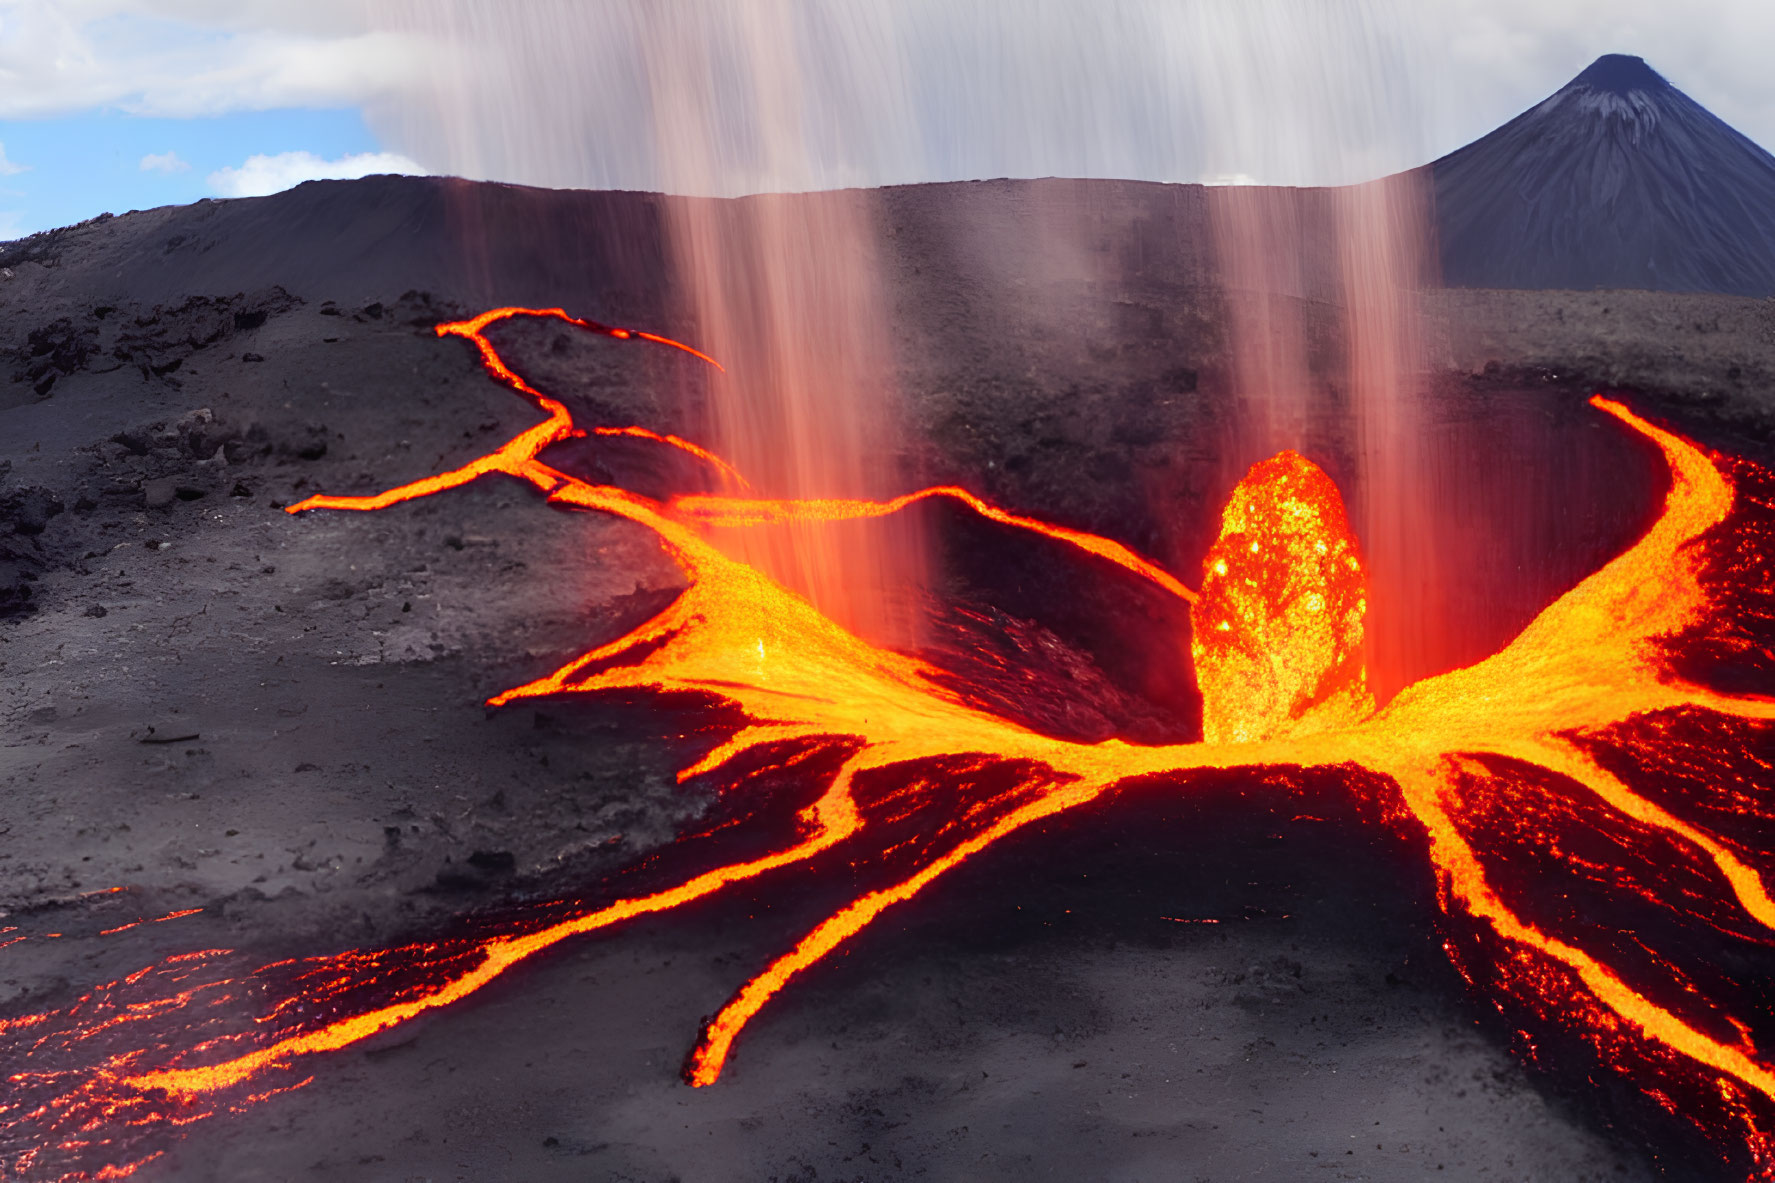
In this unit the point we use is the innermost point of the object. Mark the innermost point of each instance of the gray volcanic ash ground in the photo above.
(215, 706)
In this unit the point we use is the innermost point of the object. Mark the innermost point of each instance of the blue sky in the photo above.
(112, 105)
(78, 166)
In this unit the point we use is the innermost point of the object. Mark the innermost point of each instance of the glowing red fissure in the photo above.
(1589, 661)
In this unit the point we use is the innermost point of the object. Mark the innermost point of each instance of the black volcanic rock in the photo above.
(1059, 343)
(1619, 180)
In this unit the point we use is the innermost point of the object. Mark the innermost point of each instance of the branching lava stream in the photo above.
(1586, 770)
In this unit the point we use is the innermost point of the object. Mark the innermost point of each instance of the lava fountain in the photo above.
(1597, 765)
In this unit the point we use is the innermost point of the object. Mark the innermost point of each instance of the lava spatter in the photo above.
(1551, 749)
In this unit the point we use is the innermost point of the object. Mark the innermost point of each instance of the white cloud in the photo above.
(261, 175)
(164, 162)
(712, 96)
(718, 96)
(194, 57)
(7, 167)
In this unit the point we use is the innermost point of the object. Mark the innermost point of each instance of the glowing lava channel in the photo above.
(1278, 655)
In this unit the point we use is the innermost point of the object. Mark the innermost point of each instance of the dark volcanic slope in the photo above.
(169, 378)
(1619, 180)
(365, 240)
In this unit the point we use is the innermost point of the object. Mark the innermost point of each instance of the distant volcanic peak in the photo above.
(1619, 73)
(1619, 180)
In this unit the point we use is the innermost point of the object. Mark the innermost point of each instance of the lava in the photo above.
(1584, 762)
(1277, 632)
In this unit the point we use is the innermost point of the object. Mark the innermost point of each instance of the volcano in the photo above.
(317, 840)
(1618, 180)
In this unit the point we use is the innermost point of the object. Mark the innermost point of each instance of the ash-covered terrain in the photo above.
(276, 722)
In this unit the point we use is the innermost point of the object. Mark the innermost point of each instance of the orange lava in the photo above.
(515, 455)
(1277, 633)
(737, 512)
(1518, 740)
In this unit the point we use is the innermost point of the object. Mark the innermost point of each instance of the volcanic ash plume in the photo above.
(722, 99)
(1382, 236)
(1259, 245)
(784, 290)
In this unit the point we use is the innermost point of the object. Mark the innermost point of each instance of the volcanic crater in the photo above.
(232, 728)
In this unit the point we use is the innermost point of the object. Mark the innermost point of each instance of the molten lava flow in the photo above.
(735, 512)
(1577, 757)
(512, 458)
